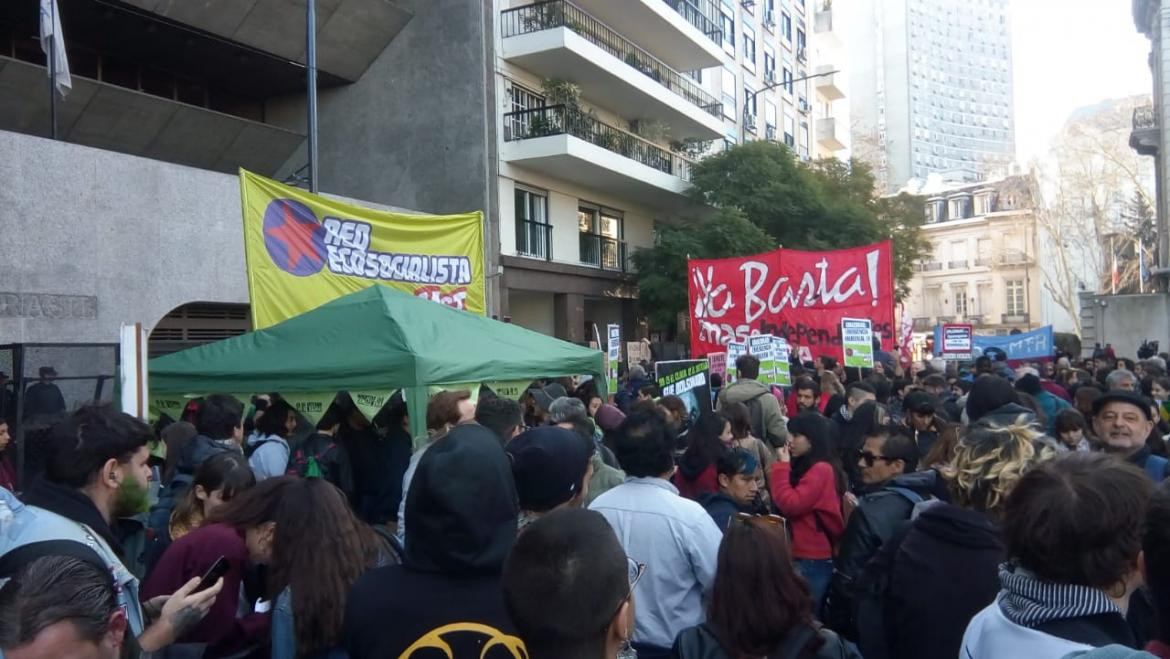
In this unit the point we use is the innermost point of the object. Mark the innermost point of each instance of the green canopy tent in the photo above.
(375, 339)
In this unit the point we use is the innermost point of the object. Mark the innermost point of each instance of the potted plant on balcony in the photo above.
(543, 16)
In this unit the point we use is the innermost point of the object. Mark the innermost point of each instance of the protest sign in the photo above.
(783, 352)
(718, 362)
(957, 342)
(304, 250)
(735, 350)
(637, 352)
(1036, 344)
(800, 296)
(614, 354)
(857, 342)
(762, 348)
(689, 379)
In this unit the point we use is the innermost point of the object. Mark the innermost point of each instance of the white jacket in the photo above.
(990, 635)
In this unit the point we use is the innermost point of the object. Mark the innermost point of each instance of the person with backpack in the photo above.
(217, 481)
(267, 449)
(767, 417)
(918, 594)
(759, 605)
(807, 487)
(1123, 420)
(887, 463)
(322, 456)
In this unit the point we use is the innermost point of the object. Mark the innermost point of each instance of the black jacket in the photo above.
(462, 515)
(928, 583)
(876, 519)
(700, 642)
(333, 459)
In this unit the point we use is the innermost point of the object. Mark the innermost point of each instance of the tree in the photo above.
(768, 198)
(662, 269)
(1084, 187)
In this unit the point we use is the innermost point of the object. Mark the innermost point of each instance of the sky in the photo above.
(1068, 54)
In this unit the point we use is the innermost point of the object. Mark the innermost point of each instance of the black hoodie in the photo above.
(944, 571)
(462, 512)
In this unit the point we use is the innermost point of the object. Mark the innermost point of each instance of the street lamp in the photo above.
(783, 83)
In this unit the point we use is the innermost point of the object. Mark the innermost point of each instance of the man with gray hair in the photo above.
(1121, 380)
(61, 606)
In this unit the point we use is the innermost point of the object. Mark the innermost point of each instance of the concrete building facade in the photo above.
(982, 268)
(931, 87)
(1149, 136)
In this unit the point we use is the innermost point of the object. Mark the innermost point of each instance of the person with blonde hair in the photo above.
(927, 585)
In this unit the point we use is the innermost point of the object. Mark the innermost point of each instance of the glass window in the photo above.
(786, 26)
(1015, 297)
(749, 104)
(749, 48)
(789, 130)
(533, 237)
(961, 301)
(729, 84)
(727, 22)
(769, 64)
(786, 78)
(520, 99)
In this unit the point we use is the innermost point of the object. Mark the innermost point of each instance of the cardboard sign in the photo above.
(762, 346)
(735, 350)
(718, 363)
(857, 342)
(783, 353)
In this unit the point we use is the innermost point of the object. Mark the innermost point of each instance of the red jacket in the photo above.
(814, 496)
(706, 482)
(190, 556)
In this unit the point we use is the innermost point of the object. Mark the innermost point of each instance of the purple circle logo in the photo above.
(295, 240)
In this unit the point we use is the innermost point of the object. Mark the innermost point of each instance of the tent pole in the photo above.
(416, 406)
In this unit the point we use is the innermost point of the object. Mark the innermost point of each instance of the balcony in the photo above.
(534, 240)
(827, 134)
(557, 39)
(974, 319)
(1145, 136)
(575, 146)
(824, 28)
(683, 33)
(1014, 319)
(826, 85)
(931, 266)
(957, 265)
(107, 116)
(923, 324)
(1014, 258)
(603, 252)
(983, 262)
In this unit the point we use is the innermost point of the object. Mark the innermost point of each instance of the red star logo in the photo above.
(297, 237)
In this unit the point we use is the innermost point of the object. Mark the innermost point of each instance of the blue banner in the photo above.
(1037, 344)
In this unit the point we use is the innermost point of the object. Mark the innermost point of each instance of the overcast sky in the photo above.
(1068, 54)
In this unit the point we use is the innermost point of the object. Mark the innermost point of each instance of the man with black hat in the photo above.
(552, 469)
(43, 398)
(923, 420)
(1123, 421)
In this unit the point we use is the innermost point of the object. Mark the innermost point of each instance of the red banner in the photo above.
(801, 296)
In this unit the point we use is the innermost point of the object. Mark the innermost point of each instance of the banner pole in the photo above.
(311, 73)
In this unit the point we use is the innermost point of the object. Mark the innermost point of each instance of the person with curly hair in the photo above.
(928, 583)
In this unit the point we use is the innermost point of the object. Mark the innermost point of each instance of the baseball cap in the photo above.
(1119, 396)
(548, 464)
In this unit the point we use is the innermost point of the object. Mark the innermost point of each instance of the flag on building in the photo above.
(51, 37)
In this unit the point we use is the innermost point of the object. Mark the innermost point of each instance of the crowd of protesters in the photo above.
(944, 510)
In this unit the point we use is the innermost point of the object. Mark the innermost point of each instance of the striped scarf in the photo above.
(1030, 602)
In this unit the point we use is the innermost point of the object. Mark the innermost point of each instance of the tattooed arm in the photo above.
(181, 612)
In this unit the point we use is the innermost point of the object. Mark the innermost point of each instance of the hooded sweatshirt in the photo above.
(943, 573)
(462, 511)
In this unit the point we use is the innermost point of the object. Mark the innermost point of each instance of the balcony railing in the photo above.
(1014, 257)
(957, 265)
(703, 14)
(974, 319)
(534, 239)
(560, 120)
(931, 266)
(561, 13)
(603, 252)
(922, 324)
(1145, 137)
(983, 262)
(1014, 319)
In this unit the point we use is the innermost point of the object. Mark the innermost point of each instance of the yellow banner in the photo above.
(304, 250)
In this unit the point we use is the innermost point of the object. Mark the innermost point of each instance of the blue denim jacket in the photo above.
(678, 542)
(21, 525)
(284, 639)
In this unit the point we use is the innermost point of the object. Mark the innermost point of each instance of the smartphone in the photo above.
(217, 570)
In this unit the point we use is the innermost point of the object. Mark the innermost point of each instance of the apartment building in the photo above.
(931, 87)
(982, 268)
